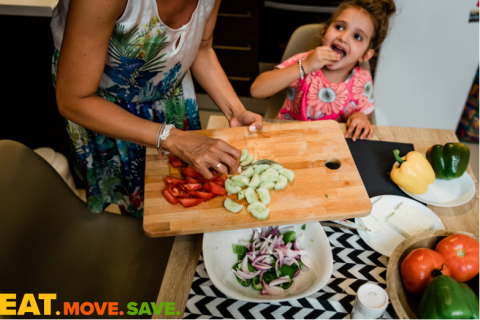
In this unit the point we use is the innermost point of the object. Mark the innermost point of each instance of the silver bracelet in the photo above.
(300, 69)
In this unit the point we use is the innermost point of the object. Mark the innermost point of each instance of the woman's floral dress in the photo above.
(315, 98)
(147, 75)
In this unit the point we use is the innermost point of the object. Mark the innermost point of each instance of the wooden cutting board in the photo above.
(317, 193)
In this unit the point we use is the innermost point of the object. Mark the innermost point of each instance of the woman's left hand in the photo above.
(246, 118)
(358, 122)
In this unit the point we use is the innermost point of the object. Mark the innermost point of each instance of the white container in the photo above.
(370, 303)
(59, 163)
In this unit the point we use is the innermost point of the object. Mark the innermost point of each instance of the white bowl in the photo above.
(219, 259)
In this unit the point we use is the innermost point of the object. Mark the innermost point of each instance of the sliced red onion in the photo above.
(297, 273)
(280, 257)
(263, 267)
(261, 275)
(295, 244)
(289, 245)
(273, 231)
(268, 260)
(253, 254)
(276, 267)
(264, 293)
(278, 281)
(289, 261)
(286, 229)
(305, 261)
(236, 273)
(245, 265)
(248, 275)
(273, 291)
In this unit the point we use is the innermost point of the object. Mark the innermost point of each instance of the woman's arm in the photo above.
(209, 73)
(82, 60)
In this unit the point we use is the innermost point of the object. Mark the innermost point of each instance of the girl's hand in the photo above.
(203, 153)
(246, 118)
(320, 57)
(357, 122)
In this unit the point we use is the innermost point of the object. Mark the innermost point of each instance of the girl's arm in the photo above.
(209, 73)
(82, 60)
(271, 82)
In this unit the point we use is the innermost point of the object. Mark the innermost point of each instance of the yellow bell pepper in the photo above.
(413, 174)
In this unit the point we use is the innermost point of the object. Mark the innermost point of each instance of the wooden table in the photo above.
(186, 249)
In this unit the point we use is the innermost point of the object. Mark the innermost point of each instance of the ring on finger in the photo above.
(219, 165)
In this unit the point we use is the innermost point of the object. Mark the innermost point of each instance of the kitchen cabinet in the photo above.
(235, 41)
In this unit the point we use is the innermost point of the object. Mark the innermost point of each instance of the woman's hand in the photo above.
(320, 57)
(246, 118)
(203, 153)
(358, 122)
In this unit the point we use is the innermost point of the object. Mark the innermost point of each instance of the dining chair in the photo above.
(303, 39)
(51, 243)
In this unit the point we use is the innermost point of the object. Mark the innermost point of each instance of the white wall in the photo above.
(427, 64)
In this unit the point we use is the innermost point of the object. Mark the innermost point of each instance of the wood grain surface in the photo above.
(303, 147)
(406, 304)
(461, 218)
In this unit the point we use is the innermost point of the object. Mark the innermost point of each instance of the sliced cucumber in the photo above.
(260, 213)
(244, 154)
(241, 195)
(264, 195)
(248, 172)
(276, 166)
(255, 182)
(255, 205)
(287, 173)
(240, 180)
(281, 183)
(268, 185)
(232, 206)
(270, 175)
(250, 195)
(247, 160)
(261, 167)
(232, 187)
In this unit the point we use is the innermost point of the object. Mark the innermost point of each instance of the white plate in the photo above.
(219, 259)
(388, 239)
(446, 193)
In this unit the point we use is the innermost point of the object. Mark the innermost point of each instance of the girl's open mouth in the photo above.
(339, 50)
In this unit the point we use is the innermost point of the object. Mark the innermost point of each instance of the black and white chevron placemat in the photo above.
(354, 263)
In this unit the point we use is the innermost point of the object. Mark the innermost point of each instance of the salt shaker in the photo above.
(370, 303)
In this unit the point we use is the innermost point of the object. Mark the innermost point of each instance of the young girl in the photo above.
(327, 83)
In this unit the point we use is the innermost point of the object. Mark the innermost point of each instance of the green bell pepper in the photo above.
(445, 298)
(449, 161)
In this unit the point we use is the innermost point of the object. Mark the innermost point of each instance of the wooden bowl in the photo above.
(406, 304)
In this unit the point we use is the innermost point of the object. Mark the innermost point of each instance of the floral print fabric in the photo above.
(315, 98)
(147, 74)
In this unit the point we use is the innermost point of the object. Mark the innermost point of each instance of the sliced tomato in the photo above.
(169, 197)
(191, 180)
(177, 163)
(219, 182)
(193, 186)
(222, 178)
(214, 188)
(191, 172)
(202, 195)
(174, 181)
(190, 202)
(174, 191)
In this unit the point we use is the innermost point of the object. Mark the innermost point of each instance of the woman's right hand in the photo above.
(203, 153)
(320, 57)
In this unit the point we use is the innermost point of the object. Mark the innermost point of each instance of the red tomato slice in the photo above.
(174, 181)
(461, 253)
(193, 186)
(214, 188)
(219, 182)
(169, 197)
(174, 191)
(177, 163)
(222, 178)
(202, 195)
(191, 172)
(191, 180)
(190, 202)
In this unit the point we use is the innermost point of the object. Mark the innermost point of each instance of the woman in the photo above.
(121, 68)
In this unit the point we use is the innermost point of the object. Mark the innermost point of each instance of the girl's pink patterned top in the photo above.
(315, 98)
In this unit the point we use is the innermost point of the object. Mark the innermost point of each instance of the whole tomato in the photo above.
(417, 269)
(461, 253)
